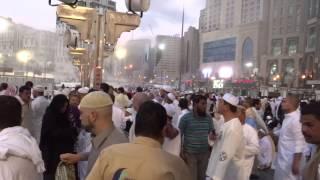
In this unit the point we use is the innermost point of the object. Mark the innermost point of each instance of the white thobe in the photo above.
(252, 112)
(291, 141)
(39, 106)
(266, 154)
(227, 153)
(172, 146)
(132, 133)
(183, 112)
(118, 118)
(251, 149)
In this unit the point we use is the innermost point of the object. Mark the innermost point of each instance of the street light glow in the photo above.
(162, 46)
(206, 72)
(303, 76)
(249, 64)
(4, 25)
(226, 72)
(121, 53)
(24, 56)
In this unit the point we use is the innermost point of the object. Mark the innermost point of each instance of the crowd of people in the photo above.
(155, 134)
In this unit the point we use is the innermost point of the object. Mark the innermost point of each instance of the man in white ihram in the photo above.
(291, 142)
(228, 149)
(20, 156)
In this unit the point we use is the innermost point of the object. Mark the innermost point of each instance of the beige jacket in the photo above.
(143, 159)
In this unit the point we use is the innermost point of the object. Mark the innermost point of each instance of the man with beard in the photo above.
(96, 117)
(195, 127)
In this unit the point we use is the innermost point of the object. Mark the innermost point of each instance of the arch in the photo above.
(247, 49)
(310, 64)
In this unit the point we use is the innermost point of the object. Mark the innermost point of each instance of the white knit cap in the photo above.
(83, 90)
(97, 99)
(171, 97)
(231, 99)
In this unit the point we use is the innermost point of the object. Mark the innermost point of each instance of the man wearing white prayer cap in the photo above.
(96, 117)
(83, 91)
(228, 149)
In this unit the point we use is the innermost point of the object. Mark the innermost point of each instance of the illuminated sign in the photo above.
(218, 84)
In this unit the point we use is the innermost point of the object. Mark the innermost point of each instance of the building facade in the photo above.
(167, 61)
(40, 43)
(234, 39)
(281, 66)
(191, 53)
(135, 65)
(311, 66)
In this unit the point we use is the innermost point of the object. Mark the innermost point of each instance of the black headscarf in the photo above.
(57, 104)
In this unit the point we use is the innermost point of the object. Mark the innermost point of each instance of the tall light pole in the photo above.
(182, 50)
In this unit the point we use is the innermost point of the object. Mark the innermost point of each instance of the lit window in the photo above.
(292, 46)
(276, 47)
(312, 37)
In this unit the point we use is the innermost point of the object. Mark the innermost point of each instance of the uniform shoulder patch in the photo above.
(223, 156)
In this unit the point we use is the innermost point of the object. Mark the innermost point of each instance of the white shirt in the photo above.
(132, 134)
(227, 153)
(2, 92)
(118, 118)
(39, 106)
(266, 154)
(218, 123)
(172, 146)
(251, 148)
(183, 112)
(291, 141)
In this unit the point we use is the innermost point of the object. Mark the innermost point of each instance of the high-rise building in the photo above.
(286, 43)
(167, 61)
(232, 36)
(135, 66)
(311, 66)
(191, 53)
